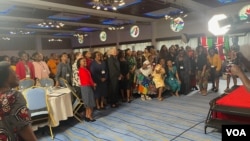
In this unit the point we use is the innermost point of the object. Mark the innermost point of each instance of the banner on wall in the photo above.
(220, 42)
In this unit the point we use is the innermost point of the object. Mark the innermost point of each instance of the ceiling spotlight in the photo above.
(61, 24)
(114, 8)
(176, 13)
(107, 4)
(54, 40)
(13, 33)
(20, 32)
(116, 27)
(51, 24)
(80, 34)
(6, 38)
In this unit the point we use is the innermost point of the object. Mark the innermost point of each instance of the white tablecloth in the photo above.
(60, 105)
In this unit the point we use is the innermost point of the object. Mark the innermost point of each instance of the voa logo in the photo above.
(236, 132)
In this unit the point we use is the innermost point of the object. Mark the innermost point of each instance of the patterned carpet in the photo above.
(174, 119)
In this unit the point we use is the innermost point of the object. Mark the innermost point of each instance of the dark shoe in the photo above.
(103, 108)
(215, 90)
(113, 106)
(233, 87)
(196, 88)
(92, 120)
(87, 119)
(123, 100)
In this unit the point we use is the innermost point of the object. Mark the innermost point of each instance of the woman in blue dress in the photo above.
(172, 79)
(99, 74)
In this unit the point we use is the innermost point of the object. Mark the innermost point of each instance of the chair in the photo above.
(46, 82)
(76, 101)
(36, 99)
(26, 83)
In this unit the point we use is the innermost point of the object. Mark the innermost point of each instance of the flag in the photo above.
(220, 42)
(206, 42)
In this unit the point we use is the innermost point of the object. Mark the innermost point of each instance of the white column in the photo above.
(39, 47)
(117, 38)
(154, 33)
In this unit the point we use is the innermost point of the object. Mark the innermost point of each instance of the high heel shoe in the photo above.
(86, 119)
(216, 90)
(91, 120)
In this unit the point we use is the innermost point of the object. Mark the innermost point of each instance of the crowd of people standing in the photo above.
(102, 79)
(114, 76)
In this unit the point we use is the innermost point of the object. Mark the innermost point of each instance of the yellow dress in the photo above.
(158, 74)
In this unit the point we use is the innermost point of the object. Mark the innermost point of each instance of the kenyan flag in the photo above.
(206, 42)
(220, 42)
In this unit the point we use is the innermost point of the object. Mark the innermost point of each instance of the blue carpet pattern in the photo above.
(174, 119)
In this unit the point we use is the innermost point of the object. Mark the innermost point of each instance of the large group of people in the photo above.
(119, 73)
(108, 78)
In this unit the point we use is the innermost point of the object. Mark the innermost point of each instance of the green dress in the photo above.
(132, 63)
(171, 80)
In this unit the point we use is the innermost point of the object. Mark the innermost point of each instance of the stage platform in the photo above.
(232, 108)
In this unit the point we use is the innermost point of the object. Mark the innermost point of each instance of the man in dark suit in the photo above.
(114, 76)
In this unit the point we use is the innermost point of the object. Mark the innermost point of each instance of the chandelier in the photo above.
(80, 34)
(54, 40)
(107, 4)
(51, 24)
(116, 27)
(5, 38)
(173, 15)
(20, 32)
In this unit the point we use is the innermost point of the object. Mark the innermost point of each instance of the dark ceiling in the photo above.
(78, 16)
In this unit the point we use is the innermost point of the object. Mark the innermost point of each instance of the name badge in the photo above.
(67, 75)
(181, 67)
(172, 78)
(103, 71)
(173, 62)
(27, 76)
(212, 66)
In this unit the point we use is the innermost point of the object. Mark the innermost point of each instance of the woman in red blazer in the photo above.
(24, 68)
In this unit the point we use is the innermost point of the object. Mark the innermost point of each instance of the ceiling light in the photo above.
(54, 40)
(116, 27)
(174, 14)
(15, 32)
(114, 8)
(80, 34)
(107, 4)
(6, 38)
(12, 33)
(51, 24)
